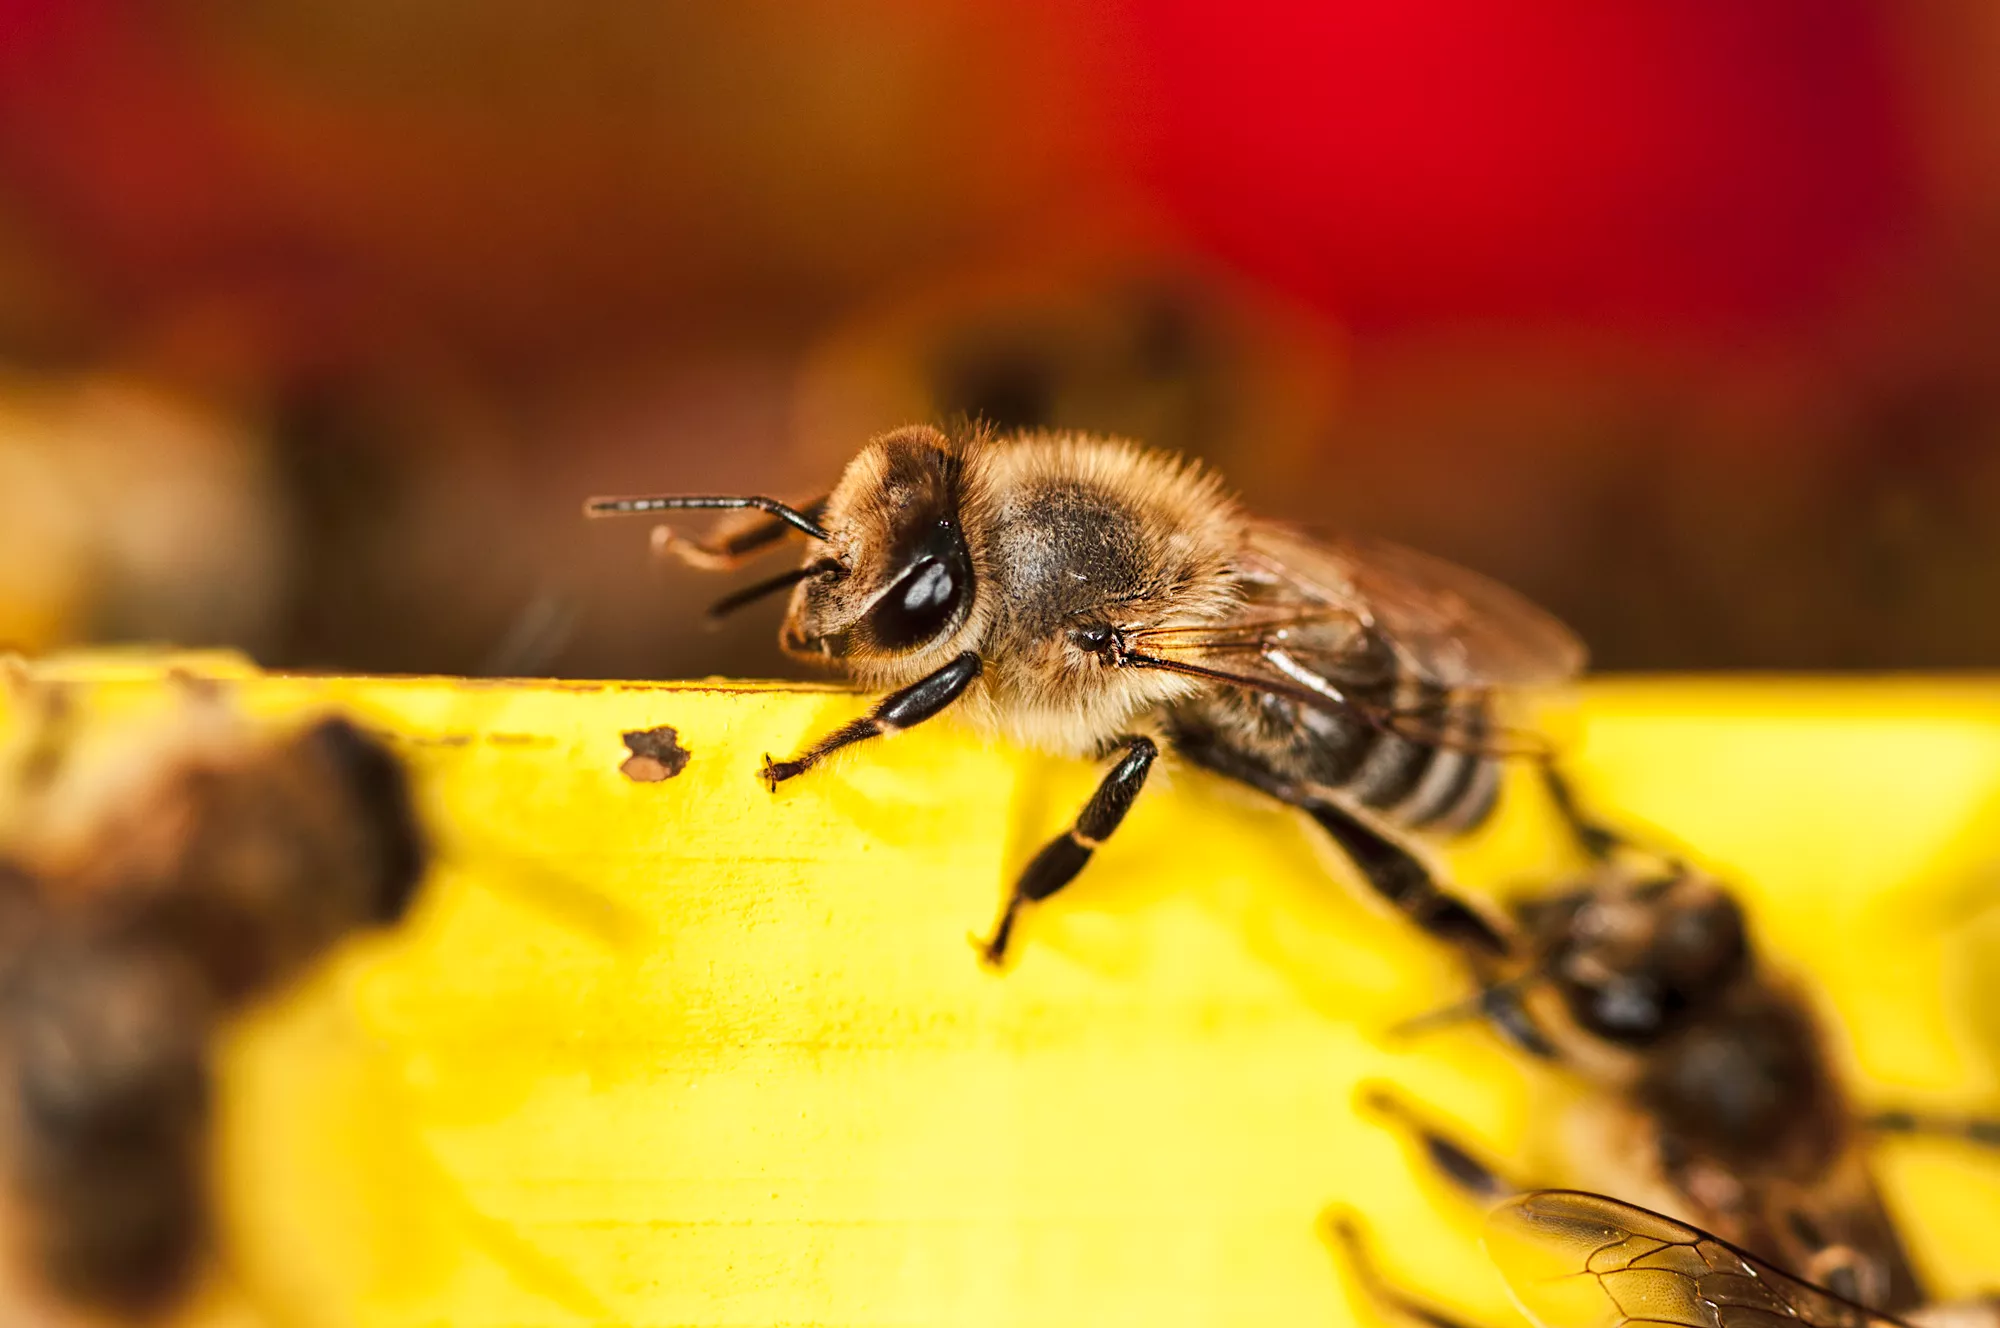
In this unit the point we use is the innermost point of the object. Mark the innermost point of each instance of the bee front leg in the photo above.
(1063, 857)
(1468, 1173)
(921, 700)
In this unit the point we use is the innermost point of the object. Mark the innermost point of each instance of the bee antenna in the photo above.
(638, 504)
(1479, 1005)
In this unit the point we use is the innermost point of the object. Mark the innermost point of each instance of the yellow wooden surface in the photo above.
(690, 1053)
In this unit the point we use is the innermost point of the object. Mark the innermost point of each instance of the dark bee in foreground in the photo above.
(1088, 597)
(149, 902)
(1720, 1101)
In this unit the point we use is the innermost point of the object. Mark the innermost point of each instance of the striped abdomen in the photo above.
(1423, 769)
(1427, 771)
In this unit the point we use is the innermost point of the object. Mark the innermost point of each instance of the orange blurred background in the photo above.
(318, 319)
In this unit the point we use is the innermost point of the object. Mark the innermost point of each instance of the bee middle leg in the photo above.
(1341, 1231)
(921, 700)
(1064, 856)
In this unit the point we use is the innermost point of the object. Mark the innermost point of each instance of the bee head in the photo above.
(896, 578)
(1635, 963)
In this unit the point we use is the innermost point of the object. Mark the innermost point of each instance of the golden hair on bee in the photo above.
(1090, 596)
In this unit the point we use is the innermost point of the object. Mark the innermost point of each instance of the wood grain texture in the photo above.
(688, 1052)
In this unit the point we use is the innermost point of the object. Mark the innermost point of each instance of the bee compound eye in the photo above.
(928, 591)
(920, 607)
(1630, 1009)
(931, 595)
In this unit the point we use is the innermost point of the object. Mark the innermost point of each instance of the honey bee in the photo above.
(1720, 1098)
(150, 901)
(1720, 1101)
(1578, 1260)
(1087, 597)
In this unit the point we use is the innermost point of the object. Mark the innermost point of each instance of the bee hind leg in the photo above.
(1065, 855)
(1401, 878)
(1391, 870)
(1341, 1231)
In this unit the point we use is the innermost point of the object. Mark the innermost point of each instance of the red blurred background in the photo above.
(317, 319)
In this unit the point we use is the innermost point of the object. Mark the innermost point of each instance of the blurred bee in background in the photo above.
(202, 547)
(1102, 335)
(1720, 1099)
(142, 901)
(1088, 597)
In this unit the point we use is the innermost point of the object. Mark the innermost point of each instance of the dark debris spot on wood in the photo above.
(657, 754)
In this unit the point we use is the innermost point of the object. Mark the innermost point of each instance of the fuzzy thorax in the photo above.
(1053, 534)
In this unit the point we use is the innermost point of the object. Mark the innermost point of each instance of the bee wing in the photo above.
(1320, 657)
(1575, 1260)
(1454, 627)
(1256, 657)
